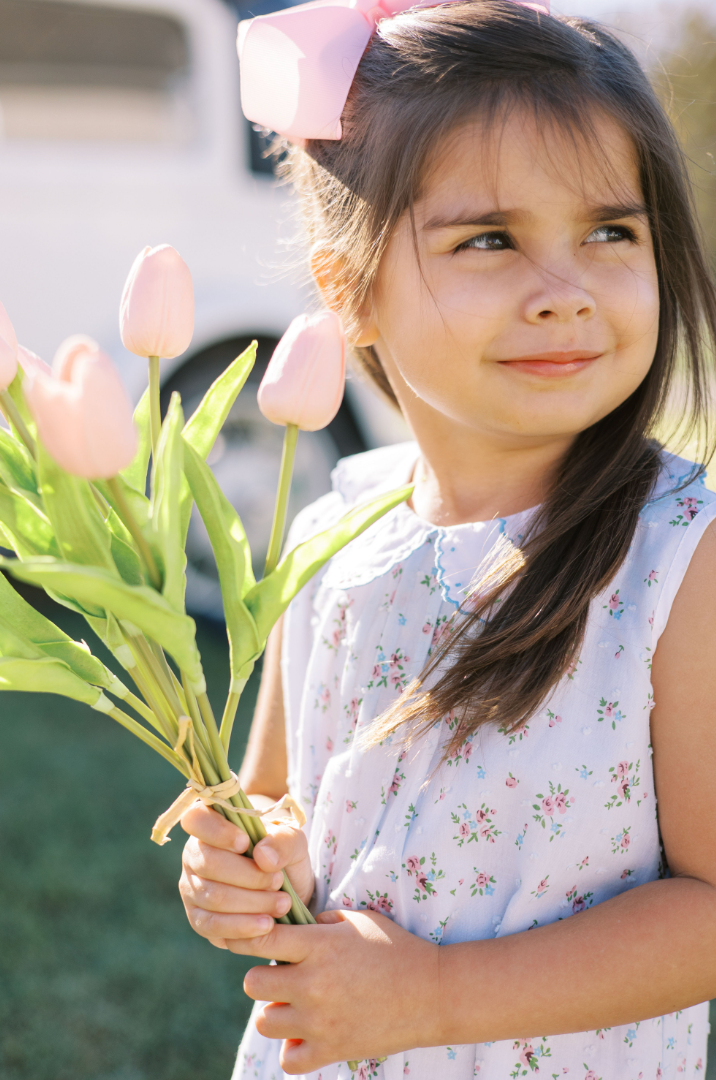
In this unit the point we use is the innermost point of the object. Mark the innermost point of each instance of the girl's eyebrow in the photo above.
(503, 218)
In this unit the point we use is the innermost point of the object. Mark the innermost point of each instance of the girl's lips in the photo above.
(554, 364)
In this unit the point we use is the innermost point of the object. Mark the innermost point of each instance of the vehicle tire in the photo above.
(245, 460)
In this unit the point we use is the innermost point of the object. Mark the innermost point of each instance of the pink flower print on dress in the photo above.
(554, 803)
(480, 825)
(511, 781)
(484, 884)
(614, 605)
(553, 719)
(427, 628)
(541, 889)
(651, 578)
(425, 878)
(621, 842)
(560, 802)
(689, 506)
(350, 806)
(608, 710)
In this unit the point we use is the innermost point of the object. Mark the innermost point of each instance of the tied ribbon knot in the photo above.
(197, 790)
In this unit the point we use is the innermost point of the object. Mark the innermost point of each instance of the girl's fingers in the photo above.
(233, 929)
(227, 868)
(218, 943)
(205, 824)
(284, 846)
(229, 899)
(284, 942)
(278, 1020)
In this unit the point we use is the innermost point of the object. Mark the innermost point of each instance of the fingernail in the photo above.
(241, 842)
(283, 904)
(277, 880)
(264, 923)
(269, 855)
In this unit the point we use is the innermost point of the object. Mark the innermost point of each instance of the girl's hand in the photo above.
(356, 986)
(229, 897)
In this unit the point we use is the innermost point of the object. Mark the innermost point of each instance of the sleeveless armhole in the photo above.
(679, 566)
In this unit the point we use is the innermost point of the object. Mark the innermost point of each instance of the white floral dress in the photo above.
(514, 831)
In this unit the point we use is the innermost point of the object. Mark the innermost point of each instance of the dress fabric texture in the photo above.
(515, 830)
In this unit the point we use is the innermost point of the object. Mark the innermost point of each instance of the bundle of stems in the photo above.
(115, 554)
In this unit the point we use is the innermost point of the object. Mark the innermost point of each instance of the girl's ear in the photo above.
(328, 270)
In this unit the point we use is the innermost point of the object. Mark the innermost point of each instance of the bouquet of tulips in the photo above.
(74, 508)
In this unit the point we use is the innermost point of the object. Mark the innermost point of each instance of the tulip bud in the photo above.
(8, 350)
(82, 411)
(156, 316)
(305, 378)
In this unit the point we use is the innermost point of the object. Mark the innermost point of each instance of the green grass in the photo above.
(100, 976)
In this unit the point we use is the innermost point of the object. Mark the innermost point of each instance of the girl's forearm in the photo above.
(647, 952)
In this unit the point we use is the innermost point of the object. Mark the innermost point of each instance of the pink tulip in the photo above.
(31, 363)
(305, 378)
(82, 411)
(8, 350)
(156, 316)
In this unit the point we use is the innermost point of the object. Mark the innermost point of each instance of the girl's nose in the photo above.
(558, 299)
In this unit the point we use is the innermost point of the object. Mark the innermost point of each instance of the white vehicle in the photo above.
(120, 126)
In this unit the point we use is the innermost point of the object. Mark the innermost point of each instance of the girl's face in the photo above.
(528, 309)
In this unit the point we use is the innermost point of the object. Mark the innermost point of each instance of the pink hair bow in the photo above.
(297, 65)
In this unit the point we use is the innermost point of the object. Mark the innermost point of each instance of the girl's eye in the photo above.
(488, 241)
(611, 234)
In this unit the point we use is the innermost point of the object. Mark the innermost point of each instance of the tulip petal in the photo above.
(8, 363)
(156, 315)
(7, 330)
(305, 378)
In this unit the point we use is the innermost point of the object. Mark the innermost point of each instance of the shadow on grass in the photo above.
(101, 977)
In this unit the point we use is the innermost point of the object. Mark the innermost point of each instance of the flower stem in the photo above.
(284, 486)
(132, 524)
(12, 414)
(227, 720)
(155, 413)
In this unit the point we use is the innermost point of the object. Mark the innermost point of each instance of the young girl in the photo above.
(480, 699)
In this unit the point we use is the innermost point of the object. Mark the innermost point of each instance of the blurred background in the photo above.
(120, 126)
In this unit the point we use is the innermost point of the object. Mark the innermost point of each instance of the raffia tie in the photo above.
(197, 790)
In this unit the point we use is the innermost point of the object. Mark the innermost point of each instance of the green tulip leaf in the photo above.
(25, 526)
(208, 419)
(49, 676)
(169, 491)
(136, 473)
(233, 559)
(40, 633)
(269, 598)
(80, 529)
(17, 469)
(17, 395)
(123, 553)
(144, 607)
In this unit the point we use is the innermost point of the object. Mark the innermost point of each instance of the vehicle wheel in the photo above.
(246, 460)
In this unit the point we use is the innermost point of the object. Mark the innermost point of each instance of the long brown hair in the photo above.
(424, 73)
